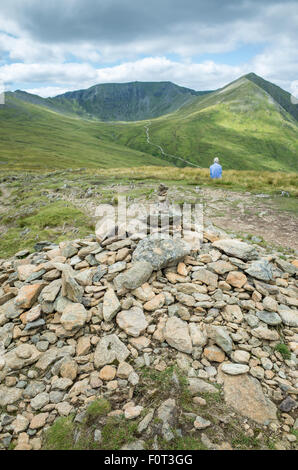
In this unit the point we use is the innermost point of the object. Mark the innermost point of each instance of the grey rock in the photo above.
(221, 337)
(234, 369)
(288, 404)
(109, 349)
(197, 386)
(160, 251)
(39, 401)
(167, 414)
(111, 305)
(136, 445)
(236, 248)
(260, 269)
(285, 266)
(33, 389)
(271, 318)
(135, 276)
(132, 321)
(50, 292)
(289, 317)
(143, 425)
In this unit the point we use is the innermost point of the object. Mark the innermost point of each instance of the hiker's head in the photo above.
(216, 160)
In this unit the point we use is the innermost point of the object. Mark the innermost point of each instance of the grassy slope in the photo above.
(240, 124)
(36, 137)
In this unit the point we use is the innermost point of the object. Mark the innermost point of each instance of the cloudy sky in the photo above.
(51, 46)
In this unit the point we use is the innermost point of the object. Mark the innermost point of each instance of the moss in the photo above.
(283, 350)
(245, 442)
(60, 435)
(97, 408)
(117, 432)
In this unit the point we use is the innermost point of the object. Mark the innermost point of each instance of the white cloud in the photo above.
(59, 45)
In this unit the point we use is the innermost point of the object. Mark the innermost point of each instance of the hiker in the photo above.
(215, 169)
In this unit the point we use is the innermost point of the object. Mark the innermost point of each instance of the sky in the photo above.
(48, 47)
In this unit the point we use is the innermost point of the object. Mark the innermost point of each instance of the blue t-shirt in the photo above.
(215, 170)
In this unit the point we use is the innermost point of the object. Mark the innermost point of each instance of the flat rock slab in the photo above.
(236, 248)
(160, 252)
(245, 395)
(197, 386)
(261, 270)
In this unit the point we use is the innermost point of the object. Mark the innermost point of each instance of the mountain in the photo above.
(241, 123)
(125, 101)
(248, 124)
(33, 136)
(281, 96)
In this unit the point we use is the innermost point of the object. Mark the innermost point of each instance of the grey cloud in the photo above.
(114, 21)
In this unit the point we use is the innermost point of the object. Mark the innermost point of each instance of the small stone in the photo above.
(64, 408)
(124, 370)
(28, 295)
(201, 423)
(74, 317)
(107, 373)
(69, 369)
(39, 401)
(132, 412)
(20, 424)
(38, 421)
(234, 369)
(132, 321)
(176, 333)
(236, 279)
(155, 303)
(199, 401)
(240, 356)
(111, 305)
(270, 318)
(213, 353)
(288, 404)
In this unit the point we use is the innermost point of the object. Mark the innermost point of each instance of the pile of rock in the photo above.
(80, 319)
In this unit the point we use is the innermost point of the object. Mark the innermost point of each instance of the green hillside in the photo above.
(241, 124)
(125, 101)
(245, 124)
(32, 136)
(281, 96)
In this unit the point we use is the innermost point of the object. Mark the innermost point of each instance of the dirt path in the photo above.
(149, 141)
(250, 214)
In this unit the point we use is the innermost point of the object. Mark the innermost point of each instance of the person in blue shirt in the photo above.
(215, 170)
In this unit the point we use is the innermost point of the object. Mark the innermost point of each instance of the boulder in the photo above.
(160, 251)
(245, 395)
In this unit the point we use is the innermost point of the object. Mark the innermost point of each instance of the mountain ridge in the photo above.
(241, 123)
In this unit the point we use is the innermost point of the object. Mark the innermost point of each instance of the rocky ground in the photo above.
(147, 343)
(28, 200)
